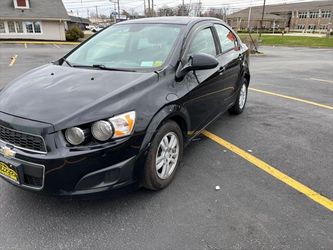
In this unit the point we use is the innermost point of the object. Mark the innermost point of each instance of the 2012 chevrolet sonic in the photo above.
(119, 109)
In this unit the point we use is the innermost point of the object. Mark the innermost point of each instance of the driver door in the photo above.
(204, 91)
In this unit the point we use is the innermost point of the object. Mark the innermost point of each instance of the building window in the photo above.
(33, 27)
(19, 27)
(29, 27)
(302, 14)
(37, 28)
(15, 27)
(21, 3)
(2, 27)
(326, 14)
(301, 26)
(314, 14)
(11, 27)
(311, 27)
(323, 27)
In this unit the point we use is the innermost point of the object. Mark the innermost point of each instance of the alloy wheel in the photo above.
(167, 155)
(242, 96)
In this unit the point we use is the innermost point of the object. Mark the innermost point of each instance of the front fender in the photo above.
(168, 112)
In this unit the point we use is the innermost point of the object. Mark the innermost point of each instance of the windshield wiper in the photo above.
(65, 60)
(101, 66)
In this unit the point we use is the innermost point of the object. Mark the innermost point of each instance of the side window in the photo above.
(227, 38)
(203, 42)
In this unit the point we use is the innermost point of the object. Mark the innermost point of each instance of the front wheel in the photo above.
(240, 103)
(163, 157)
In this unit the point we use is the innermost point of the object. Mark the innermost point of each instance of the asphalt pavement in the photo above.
(288, 126)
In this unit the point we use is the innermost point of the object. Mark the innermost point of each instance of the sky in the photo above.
(85, 7)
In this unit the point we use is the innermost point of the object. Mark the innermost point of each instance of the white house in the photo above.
(33, 19)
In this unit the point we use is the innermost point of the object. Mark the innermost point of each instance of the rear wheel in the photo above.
(240, 103)
(163, 157)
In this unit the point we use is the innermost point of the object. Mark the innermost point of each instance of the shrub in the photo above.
(73, 34)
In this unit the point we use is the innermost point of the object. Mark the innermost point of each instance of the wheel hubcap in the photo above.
(167, 155)
(242, 96)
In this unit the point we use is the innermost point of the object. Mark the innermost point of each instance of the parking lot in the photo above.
(274, 164)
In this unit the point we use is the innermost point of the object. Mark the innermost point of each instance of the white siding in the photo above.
(51, 30)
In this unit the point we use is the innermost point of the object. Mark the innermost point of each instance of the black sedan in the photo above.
(119, 109)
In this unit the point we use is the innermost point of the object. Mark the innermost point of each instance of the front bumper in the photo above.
(66, 171)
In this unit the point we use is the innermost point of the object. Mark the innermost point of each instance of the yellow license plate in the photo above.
(8, 172)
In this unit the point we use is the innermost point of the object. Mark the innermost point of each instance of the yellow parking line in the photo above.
(321, 80)
(322, 200)
(292, 98)
(12, 62)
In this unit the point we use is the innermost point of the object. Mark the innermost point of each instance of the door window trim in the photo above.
(219, 41)
(191, 37)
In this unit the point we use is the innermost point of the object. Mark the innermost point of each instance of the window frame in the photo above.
(237, 45)
(326, 14)
(195, 30)
(303, 14)
(20, 28)
(313, 14)
(16, 26)
(24, 23)
(4, 27)
(27, 5)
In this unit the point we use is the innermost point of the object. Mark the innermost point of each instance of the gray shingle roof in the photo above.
(285, 8)
(76, 19)
(39, 9)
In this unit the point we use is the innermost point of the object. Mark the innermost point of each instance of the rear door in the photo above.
(230, 59)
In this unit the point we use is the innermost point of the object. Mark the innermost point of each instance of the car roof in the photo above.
(184, 20)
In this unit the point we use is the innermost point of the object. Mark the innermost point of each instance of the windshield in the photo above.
(128, 46)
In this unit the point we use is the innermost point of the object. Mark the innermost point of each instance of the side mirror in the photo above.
(200, 61)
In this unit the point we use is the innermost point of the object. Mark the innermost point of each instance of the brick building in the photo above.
(315, 16)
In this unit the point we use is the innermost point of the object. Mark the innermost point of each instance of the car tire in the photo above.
(240, 103)
(163, 157)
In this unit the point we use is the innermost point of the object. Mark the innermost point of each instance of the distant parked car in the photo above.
(97, 28)
(90, 27)
(119, 109)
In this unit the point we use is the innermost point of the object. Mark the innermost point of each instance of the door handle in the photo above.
(221, 70)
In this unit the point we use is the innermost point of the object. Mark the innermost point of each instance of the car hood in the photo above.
(53, 94)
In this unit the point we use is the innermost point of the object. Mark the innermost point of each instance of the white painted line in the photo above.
(321, 80)
(57, 46)
(25, 45)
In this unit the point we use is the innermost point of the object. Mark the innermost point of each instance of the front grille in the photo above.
(22, 140)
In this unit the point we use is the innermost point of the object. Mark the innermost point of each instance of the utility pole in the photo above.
(148, 8)
(183, 8)
(118, 10)
(144, 8)
(262, 17)
(152, 7)
(96, 14)
(199, 11)
(249, 17)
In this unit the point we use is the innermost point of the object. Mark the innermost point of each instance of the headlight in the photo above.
(102, 130)
(75, 136)
(123, 124)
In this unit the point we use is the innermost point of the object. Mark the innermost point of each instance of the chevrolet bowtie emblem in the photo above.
(7, 152)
